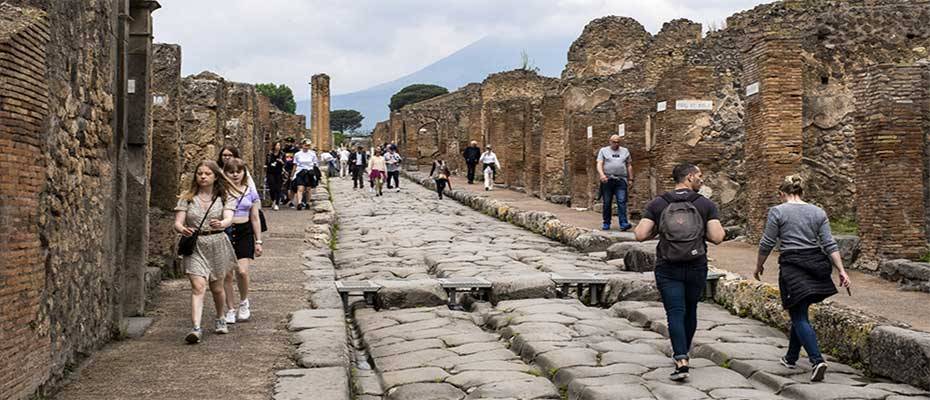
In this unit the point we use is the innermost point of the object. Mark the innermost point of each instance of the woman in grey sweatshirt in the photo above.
(808, 254)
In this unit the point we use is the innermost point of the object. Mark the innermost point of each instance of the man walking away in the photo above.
(616, 173)
(684, 221)
(358, 161)
(392, 159)
(472, 154)
(490, 165)
(343, 162)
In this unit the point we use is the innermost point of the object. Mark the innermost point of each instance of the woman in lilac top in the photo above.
(246, 237)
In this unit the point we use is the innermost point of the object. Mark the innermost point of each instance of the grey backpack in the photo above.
(681, 231)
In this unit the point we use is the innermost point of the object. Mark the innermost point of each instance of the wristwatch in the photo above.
(258, 242)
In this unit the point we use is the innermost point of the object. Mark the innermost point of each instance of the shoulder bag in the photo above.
(187, 243)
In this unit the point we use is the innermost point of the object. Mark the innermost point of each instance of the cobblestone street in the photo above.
(532, 345)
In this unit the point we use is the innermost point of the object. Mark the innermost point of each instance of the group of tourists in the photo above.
(220, 221)
(382, 164)
(292, 173)
(684, 221)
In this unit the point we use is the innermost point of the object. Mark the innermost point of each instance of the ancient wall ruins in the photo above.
(768, 95)
(97, 131)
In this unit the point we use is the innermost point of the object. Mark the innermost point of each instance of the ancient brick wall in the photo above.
(239, 127)
(166, 160)
(606, 46)
(24, 325)
(678, 130)
(891, 138)
(284, 125)
(773, 123)
(554, 157)
(203, 110)
(668, 48)
(382, 132)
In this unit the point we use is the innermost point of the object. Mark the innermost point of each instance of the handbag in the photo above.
(261, 215)
(187, 243)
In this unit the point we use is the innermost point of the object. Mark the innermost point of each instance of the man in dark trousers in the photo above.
(684, 221)
(472, 154)
(358, 162)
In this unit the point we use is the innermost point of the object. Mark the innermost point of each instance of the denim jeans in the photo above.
(681, 287)
(614, 190)
(802, 334)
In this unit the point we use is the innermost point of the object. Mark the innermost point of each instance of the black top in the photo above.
(354, 157)
(472, 154)
(274, 163)
(705, 207)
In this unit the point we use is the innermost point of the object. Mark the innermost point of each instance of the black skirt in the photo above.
(804, 276)
(243, 240)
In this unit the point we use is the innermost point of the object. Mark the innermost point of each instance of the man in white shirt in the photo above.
(305, 161)
(343, 162)
(392, 160)
(490, 166)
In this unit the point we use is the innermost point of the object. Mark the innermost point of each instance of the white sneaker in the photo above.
(244, 314)
(221, 327)
(230, 316)
(274, 207)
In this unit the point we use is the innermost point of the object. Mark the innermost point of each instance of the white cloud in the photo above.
(365, 42)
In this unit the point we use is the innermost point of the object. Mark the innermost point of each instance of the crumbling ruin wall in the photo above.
(891, 137)
(284, 125)
(382, 132)
(554, 156)
(203, 108)
(166, 160)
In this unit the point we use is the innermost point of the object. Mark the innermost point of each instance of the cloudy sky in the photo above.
(361, 43)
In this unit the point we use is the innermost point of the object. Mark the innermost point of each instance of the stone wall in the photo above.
(166, 160)
(284, 125)
(891, 138)
(382, 133)
(24, 325)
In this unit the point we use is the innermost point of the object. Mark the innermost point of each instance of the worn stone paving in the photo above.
(530, 345)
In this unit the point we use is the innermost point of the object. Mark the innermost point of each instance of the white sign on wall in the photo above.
(694, 105)
(131, 86)
(621, 130)
(158, 100)
(590, 132)
(752, 89)
(661, 106)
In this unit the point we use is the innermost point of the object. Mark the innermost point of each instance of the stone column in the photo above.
(774, 120)
(891, 124)
(139, 155)
(166, 156)
(553, 151)
(319, 112)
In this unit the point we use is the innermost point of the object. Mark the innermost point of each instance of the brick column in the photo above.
(166, 160)
(554, 149)
(774, 121)
(686, 94)
(891, 133)
(24, 339)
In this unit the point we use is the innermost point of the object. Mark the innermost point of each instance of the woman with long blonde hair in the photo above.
(246, 237)
(205, 210)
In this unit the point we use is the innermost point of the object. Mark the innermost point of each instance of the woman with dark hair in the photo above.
(228, 152)
(205, 202)
(274, 174)
(442, 179)
(808, 254)
(246, 237)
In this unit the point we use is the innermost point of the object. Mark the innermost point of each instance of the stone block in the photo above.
(631, 287)
(910, 274)
(617, 251)
(849, 248)
(527, 286)
(322, 347)
(433, 391)
(310, 319)
(640, 259)
(136, 326)
(408, 294)
(317, 383)
(890, 348)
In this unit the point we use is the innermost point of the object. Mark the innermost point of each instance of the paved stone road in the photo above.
(536, 347)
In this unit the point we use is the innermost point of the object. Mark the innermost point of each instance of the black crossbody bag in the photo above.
(187, 243)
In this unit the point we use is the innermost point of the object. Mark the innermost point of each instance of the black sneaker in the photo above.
(300, 206)
(306, 206)
(680, 373)
(194, 336)
(786, 364)
(818, 372)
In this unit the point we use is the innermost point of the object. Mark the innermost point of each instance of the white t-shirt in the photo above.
(343, 155)
(326, 157)
(488, 158)
(305, 160)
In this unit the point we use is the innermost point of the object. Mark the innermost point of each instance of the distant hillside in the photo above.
(470, 64)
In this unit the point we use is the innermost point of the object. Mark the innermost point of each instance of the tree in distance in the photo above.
(345, 120)
(280, 95)
(414, 94)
